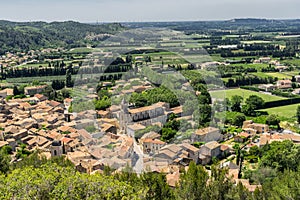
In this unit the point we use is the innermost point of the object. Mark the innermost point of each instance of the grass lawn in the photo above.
(283, 111)
(295, 62)
(261, 74)
(25, 80)
(199, 58)
(293, 73)
(257, 66)
(286, 75)
(221, 94)
(82, 50)
(279, 75)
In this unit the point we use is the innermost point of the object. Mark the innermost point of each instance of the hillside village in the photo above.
(216, 100)
(36, 123)
(23, 58)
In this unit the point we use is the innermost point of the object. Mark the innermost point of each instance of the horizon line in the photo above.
(149, 21)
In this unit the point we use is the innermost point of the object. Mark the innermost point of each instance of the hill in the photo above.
(24, 36)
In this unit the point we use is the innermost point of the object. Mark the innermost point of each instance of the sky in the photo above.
(146, 10)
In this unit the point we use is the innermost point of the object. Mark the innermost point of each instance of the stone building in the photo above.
(145, 116)
(207, 134)
(56, 148)
(260, 128)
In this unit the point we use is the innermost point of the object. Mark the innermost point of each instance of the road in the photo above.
(138, 158)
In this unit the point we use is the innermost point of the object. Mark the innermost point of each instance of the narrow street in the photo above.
(138, 164)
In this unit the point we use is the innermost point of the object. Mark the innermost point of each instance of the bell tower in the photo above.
(56, 148)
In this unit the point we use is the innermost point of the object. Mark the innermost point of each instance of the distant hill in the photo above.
(23, 36)
(226, 27)
(250, 20)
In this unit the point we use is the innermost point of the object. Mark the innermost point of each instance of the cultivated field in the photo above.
(279, 75)
(283, 111)
(243, 93)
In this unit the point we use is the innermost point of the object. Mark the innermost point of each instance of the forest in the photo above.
(35, 177)
(25, 36)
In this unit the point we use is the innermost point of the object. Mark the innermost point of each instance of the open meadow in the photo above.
(288, 111)
(221, 94)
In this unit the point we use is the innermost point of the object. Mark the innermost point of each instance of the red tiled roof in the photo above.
(68, 100)
(64, 128)
(84, 133)
(39, 96)
(54, 103)
(244, 134)
(156, 141)
(224, 147)
(66, 140)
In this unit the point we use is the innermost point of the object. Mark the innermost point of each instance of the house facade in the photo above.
(207, 134)
(151, 146)
(260, 128)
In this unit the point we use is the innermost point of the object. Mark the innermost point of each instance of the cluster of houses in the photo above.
(11, 59)
(267, 60)
(47, 125)
(19, 58)
(280, 84)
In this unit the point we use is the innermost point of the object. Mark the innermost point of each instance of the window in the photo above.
(55, 152)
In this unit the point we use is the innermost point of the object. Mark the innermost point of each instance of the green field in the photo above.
(279, 75)
(243, 93)
(257, 66)
(295, 62)
(261, 74)
(82, 50)
(286, 75)
(283, 111)
(49, 79)
(256, 42)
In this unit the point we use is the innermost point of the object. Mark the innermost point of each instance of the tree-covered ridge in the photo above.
(51, 181)
(25, 36)
(35, 177)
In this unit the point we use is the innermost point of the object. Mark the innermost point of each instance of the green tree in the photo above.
(219, 184)
(139, 100)
(69, 78)
(65, 93)
(192, 183)
(16, 90)
(51, 181)
(236, 103)
(253, 103)
(167, 134)
(283, 186)
(227, 104)
(238, 119)
(204, 97)
(156, 186)
(147, 59)
(129, 58)
(273, 120)
(204, 114)
(298, 114)
(4, 160)
(102, 104)
(102, 93)
(281, 156)
(2, 72)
